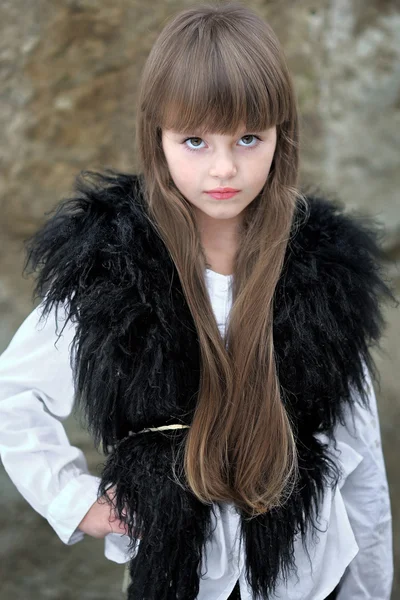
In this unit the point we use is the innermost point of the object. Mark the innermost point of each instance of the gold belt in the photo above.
(162, 428)
(174, 426)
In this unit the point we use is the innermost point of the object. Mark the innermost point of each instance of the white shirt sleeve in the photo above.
(36, 394)
(369, 576)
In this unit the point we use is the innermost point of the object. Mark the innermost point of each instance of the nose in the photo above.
(223, 167)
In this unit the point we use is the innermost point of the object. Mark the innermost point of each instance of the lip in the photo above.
(222, 195)
(222, 190)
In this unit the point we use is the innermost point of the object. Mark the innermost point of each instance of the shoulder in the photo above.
(82, 237)
(337, 250)
(106, 192)
(331, 232)
(97, 207)
(329, 296)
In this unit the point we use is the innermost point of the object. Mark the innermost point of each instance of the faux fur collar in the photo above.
(136, 364)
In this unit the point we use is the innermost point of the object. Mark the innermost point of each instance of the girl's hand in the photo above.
(100, 520)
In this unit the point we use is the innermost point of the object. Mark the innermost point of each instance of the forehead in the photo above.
(174, 131)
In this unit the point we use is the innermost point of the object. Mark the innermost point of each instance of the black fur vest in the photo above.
(136, 365)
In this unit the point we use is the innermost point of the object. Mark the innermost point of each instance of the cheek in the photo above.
(184, 172)
(182, 178)
(268, 161)
(177, 164)
(260, 172)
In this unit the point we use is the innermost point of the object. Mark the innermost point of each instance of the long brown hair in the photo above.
(213, 67)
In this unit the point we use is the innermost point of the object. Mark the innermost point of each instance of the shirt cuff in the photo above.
(116, 548)
(69, 507)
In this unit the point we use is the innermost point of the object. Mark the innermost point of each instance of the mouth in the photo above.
(223, 195)
(222, 190)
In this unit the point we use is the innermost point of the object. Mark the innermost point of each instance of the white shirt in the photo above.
(36, 395)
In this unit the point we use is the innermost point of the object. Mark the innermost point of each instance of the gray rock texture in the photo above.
(68, 80)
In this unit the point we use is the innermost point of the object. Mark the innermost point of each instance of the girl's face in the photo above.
(198, 165)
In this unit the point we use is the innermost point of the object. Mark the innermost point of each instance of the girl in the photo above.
(243, 457)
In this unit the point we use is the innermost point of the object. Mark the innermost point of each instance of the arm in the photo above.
(365, 492)
(36, 394)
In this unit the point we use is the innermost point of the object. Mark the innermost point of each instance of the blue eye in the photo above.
(244, 136)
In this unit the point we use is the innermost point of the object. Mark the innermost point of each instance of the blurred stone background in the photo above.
(68, 76)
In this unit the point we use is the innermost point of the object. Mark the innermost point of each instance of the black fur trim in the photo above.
(136, 364)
